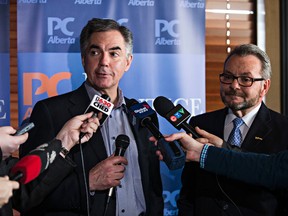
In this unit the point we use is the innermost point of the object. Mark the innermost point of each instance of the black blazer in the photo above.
(261, 169)
(204, 193)
(69, 197)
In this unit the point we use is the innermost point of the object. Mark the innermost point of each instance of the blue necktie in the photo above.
(235, 137)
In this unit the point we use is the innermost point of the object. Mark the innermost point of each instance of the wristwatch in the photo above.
(64, 151)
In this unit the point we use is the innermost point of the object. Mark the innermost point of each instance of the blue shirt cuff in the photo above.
(203, 156)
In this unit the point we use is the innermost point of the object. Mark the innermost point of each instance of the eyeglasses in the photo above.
(244, 81)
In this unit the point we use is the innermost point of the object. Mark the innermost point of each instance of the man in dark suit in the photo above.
(106, 52)
(243, 84)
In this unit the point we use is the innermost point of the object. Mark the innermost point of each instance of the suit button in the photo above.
(225, 207)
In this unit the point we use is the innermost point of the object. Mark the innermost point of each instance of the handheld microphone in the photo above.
(176, 115)
(173, 154)
(99, 106)
(122, 142)
(33, 164)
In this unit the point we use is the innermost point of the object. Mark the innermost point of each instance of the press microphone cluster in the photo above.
(176, 115)
(101, 108)
(173, 155)
(33, 164)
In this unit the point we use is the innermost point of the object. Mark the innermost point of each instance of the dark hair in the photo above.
(251, 49)
(102, 25)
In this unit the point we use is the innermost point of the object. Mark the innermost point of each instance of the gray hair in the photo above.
(103, 25)
(251, 49)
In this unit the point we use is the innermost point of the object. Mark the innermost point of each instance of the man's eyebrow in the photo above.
(243, 74)
(115, 48)
(93, 46)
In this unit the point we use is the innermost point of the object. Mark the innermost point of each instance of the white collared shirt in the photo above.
(248, 120)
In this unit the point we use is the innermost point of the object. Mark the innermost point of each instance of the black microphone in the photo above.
(99, 105)
(33, 164)
(173, 155)
(122, 142)
(176, 115)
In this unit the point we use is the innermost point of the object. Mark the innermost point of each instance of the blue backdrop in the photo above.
(169, 56)
(4, 64)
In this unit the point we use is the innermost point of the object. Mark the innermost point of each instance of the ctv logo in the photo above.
(164, 28)
(55, 24)
(177, 115)
(42, 84)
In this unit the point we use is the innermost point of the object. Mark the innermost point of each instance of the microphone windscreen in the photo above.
(29, 166)
(122, 142)
(162, 105)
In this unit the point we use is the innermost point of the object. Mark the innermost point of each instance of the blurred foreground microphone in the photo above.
(122, 142)
(33, 164)
(176, 115)
(101, 107)
(173, 154)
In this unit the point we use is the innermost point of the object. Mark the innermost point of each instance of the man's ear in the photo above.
(83, 61)
(128, 62)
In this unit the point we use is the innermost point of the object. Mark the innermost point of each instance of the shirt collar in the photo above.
(248, 118)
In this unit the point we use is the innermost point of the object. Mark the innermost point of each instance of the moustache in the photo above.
(234, 93)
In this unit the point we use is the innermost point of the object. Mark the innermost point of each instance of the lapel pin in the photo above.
(258, 138)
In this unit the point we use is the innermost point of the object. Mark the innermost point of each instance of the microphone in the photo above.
(99, 105)
(176, 115)
(122, 142)
(173, 154)
(33, 164)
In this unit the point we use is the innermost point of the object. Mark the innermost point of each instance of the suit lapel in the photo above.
(95, 147)
(259, 129)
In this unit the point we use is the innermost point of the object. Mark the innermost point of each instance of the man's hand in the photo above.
(107, 173)
(70, 132)
(6, 189)
(189, 145)
(208, 138)
(8, 142)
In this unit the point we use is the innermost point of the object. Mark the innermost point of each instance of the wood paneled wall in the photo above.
(13, 65)
(242, 29)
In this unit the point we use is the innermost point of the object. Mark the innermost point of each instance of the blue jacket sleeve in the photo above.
(266, 170)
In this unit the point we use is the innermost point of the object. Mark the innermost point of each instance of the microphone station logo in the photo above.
(58, 30)
(142, 110)
(101, 104)
(141, 3)
(166, 33)
(177, 115)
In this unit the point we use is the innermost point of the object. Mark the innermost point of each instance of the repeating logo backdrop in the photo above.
(169, 56)
(4, 64)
